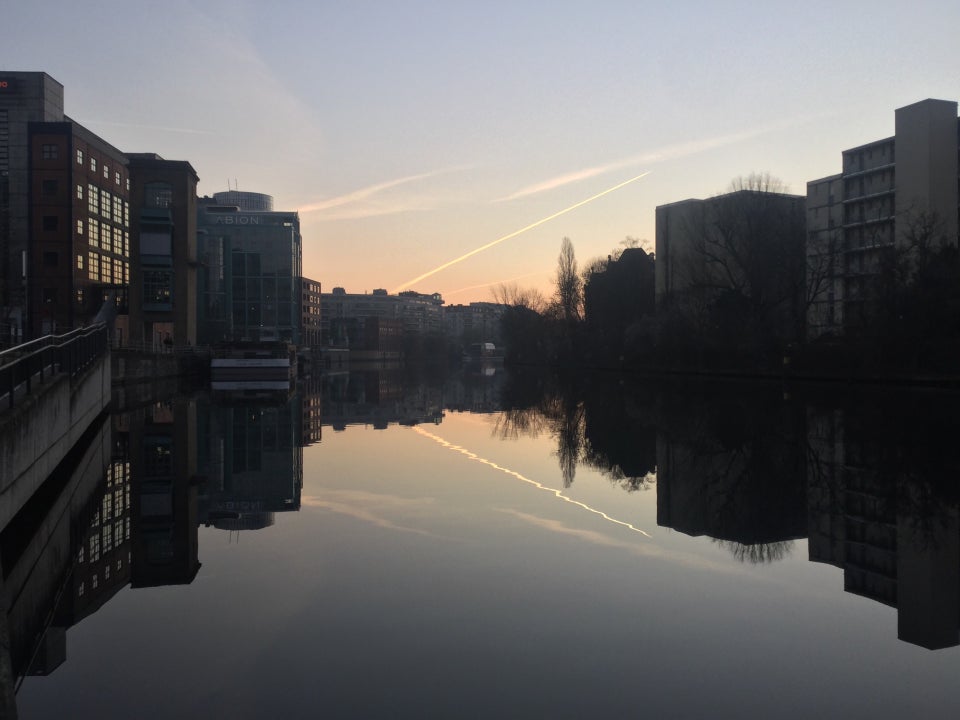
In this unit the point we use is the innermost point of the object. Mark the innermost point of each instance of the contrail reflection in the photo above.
(517, 232)
(513, 473)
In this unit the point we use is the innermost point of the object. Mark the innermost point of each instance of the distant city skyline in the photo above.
(411, 134)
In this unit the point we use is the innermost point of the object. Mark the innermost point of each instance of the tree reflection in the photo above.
(759, 553)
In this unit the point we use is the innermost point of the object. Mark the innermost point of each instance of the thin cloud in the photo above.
(669, 152)
(364, 194)
(158, 128)
(372, 508)
(544, 272)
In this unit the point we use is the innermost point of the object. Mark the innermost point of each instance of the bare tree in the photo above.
(747, 260)
(569, 293)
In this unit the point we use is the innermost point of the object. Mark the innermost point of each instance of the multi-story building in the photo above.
(249, 271)
(884, 189)
(163, 249)
(346, 314)
(64, 213)
(736, 259)
(310, 303)
(476, 322)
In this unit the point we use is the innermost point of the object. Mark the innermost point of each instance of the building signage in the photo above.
(238, 220)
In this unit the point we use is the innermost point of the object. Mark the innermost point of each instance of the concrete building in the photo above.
(64, 213)
(345, 314)
(249, 274)
(163, 250)
(311, 307)
(885, 188)
(735, 260)
(476, 322)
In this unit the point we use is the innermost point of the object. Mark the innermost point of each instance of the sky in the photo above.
(410, 133)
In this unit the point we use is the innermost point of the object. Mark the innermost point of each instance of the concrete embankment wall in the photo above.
(42, 428)
(33, 581)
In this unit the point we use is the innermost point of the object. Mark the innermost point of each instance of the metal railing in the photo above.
(26, 367)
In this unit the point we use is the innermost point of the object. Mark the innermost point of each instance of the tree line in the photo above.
(746, 286)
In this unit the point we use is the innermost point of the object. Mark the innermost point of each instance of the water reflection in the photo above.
(867, 481)
(869, 478)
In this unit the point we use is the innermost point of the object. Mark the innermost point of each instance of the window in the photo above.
(79, 227)
(116, 178)
(157, 287)
(79, 192)
(94, 238)
(49, 151)
(80, 297)
(48, 187)
(106, 171)
(50, 259)
(106, 237)
(79, 157)
(93, 199)
(93, 266)
(158, 195)
(51, 222)
(79, 262)
(93, 164)
(118, 210)
(106, 204)
(49, 296)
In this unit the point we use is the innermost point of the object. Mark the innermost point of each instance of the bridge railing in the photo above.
(26, 367)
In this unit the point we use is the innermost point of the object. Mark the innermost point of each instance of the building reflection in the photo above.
(869, 481)
(379, 397)
(250, 457)
(126, 507)
(881, 510)
(864, 483)
(163, 458)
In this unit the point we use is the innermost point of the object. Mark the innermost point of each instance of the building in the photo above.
(163, 249)
(248, 274)
(884, 188)
(64, 213)
(346, 316)
(734, 263)
(310, 304)
(476, 322)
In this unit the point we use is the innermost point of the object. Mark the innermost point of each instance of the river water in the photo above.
(386, 545)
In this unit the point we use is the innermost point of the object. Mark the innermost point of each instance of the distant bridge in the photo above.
(51, 391)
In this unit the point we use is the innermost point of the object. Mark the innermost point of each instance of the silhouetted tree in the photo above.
(745, 270)
(569, 287)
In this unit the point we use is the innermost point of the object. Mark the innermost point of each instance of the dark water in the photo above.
(491, 546)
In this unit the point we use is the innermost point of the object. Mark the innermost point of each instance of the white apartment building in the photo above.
(883, 189)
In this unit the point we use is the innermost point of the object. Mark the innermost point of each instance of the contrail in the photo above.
(517, 232)
(513, 473)
(496, 282)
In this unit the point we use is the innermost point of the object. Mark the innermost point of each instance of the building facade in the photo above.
(884, 189)
(346, 314)
(248, 274)
(310, 301)
(64, 213)
(163, 229)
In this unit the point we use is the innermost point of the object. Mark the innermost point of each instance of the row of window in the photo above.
(105, 269)
(118, 179)
(101, 202)
(95, 579)
(103, 236)
(112, 534)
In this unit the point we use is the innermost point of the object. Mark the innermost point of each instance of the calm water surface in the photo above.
(607, 553)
